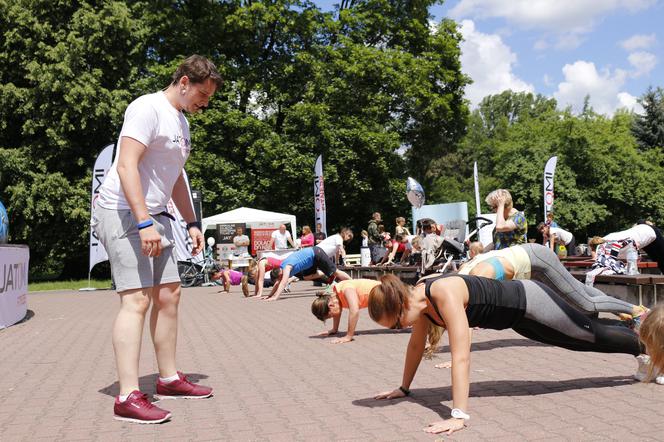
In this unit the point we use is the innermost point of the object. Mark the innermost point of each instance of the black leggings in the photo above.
(551, 320)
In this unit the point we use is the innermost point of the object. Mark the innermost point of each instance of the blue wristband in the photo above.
(144, 224)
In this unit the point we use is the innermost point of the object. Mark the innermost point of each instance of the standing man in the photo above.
(281, 238)
(241, 242)
(375, 239)
(131, 222)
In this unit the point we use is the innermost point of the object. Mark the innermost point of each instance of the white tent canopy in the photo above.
(253, 218)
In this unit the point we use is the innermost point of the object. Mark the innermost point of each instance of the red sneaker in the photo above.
(181, 389)
(137, 408)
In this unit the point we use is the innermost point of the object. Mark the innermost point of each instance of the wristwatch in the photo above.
(459, 414)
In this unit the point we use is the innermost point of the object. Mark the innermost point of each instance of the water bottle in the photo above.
(632, 257)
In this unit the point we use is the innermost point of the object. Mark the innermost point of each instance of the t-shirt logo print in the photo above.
(185, 144)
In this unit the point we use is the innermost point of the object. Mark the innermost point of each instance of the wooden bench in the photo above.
(638, 289)
(649, 267)
(408, 274)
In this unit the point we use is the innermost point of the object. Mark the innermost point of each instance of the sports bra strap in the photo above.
(427, 292)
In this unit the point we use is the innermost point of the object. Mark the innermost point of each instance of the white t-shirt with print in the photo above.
(155, 123)
(331, 244)
(281, 241)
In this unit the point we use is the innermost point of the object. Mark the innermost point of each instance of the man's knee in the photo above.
(137, 301)
(166, 295)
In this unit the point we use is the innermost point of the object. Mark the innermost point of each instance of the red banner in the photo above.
(260, 239)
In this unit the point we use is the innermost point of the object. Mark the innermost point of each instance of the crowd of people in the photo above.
(518, 285)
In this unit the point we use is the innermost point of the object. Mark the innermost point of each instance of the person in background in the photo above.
(307, 238)
(549, 220)
(310, 263)
(281, 238)
(375, 240)
(401, 228)
(333, 245)
(558, 237)
(365, 238)
(132, 223)
(229, 277)
(475, 248)
(511, 225)
(319, 235)
(241, 242)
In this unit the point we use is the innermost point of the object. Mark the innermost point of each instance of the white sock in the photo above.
(123, 397)
(169, 379)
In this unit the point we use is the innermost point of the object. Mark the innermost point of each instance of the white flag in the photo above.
(103, 163)
(183, 243)
(477, 189)
(549, 170)
(319, 196)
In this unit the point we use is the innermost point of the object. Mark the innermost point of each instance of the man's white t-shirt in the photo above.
(239, 241)
(155, 123)
(562, 235)
(281, 241)
(331, 244)
(643, 234)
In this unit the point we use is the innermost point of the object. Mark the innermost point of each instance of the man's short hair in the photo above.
(198, 69)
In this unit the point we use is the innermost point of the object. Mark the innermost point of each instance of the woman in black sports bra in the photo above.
(457, 302)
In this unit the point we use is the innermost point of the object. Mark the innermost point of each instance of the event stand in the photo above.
(14, 261)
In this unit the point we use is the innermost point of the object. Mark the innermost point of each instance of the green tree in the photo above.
(648, 129)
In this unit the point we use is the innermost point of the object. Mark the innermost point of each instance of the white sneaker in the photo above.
(643, 369)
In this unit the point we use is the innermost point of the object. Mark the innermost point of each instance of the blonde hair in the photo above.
(416, 242)
(499, 194)
(651, 333)
(595, 241)
(389, 299)
(475, 248)
(306, 230)
(399, 220)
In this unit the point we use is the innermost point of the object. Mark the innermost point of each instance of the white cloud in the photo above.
(547, 80)
(582, 78)
(489, 62)
(643, 63)
(565, 19)
(638, 41)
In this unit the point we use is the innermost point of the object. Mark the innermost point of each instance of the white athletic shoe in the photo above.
(644, 368)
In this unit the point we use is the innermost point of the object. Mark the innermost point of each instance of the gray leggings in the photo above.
(551, 320)
(546, 267)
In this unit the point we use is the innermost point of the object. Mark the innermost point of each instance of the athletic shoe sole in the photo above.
(139, 421)
(164, 397)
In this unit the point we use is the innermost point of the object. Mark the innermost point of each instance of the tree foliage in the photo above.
(602, 181)
(371, 87)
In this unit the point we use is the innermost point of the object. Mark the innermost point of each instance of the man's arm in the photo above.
(182, 201)
(279, 289)
(290, 240)
(131, 152)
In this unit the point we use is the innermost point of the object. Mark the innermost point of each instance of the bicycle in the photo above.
(194, 274)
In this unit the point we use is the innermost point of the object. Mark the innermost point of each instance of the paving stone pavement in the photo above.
(275, 380)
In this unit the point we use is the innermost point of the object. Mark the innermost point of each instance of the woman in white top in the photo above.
(558, 236)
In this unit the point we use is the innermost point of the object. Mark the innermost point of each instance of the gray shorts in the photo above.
(131, 269)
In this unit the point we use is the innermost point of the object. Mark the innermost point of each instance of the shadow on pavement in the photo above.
(377, 331)
(431, 397)
(28, 315)
(497, 343)
(147, 384)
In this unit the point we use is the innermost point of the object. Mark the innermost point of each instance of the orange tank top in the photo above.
(362, 286)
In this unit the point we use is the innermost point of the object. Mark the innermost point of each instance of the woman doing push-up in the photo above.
(351, 294)
(457, 302)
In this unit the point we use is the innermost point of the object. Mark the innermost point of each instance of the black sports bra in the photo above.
(491, 304)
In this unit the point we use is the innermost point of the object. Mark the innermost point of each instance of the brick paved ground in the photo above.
(275, 381)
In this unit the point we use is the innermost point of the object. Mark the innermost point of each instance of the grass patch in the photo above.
(68, 285)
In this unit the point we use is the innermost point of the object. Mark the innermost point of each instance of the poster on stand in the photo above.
(14, 261)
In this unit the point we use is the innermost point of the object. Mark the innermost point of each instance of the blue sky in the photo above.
(611, 50)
